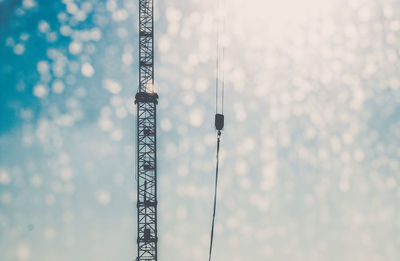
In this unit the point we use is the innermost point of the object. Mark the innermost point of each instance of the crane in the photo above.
(146, 100)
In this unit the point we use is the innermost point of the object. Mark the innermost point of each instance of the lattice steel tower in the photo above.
(146, 100)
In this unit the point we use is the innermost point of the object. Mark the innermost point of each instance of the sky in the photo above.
(309, 153)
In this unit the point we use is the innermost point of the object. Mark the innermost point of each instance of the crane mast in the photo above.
(146, 100)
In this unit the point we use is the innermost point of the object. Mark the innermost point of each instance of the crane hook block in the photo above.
(219, 121)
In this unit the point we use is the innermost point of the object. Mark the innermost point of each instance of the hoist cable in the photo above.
(223, 81)
(217, 74)
(223, 59)
(219, 120)
(215, 197)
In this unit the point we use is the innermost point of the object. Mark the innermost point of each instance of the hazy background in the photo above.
(310, 152)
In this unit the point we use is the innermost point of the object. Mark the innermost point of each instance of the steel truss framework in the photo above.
(146, 54)
(146, 100)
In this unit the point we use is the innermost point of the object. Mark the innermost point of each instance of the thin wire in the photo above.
(215, 197)
(223, 78)
(217, 73)
(223, 57)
